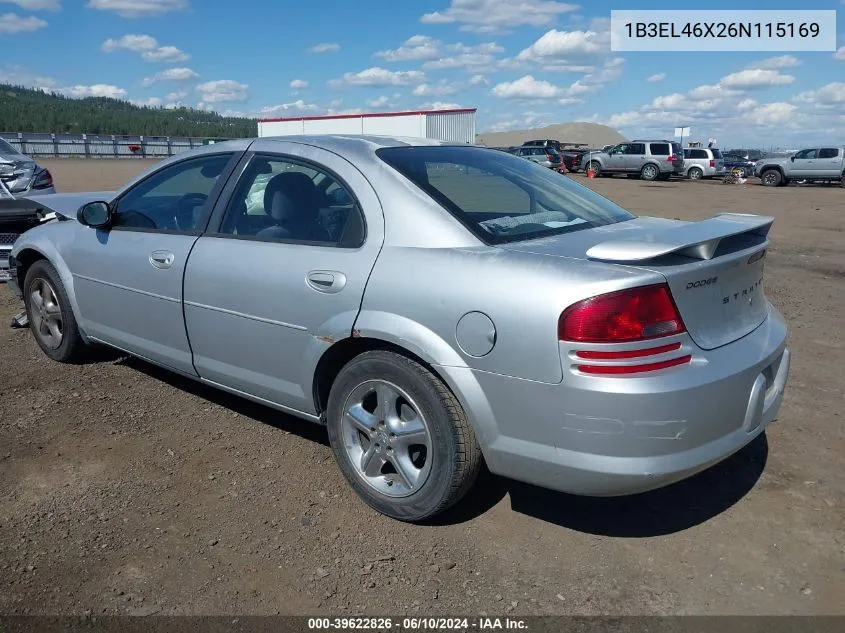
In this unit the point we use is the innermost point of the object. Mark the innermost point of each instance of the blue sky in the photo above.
(522, 63)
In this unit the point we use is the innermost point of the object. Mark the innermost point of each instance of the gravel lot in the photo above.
(124, 489)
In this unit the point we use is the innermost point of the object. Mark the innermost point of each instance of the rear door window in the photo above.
(828, 152)
(697, 153)
(660, 149)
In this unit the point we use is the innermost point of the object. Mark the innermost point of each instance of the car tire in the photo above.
(594, 166)
(771, 178)
(51, 318)
(743, 172)
(695, 173)
(649, 172)
(412, 457)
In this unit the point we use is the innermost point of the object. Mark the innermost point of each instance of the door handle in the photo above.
(162, 259)
(328, 281)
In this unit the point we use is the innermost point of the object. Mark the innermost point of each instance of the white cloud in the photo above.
(746, 104)
(439, 105)
(325, 47)
(755, 78)
(171, 74)
(377, 76)
(527, 120)
(223, 90)
(379, 102)
(416, 47)
(177, 95)
(773, 63)
(840, 54)
(527, 88)
(168, 54)
(148, 46)
(95, 90)
(773, 114)
(476, 80)
(673, 100)
(710, 91)
(657, 77)
(479, 57)
(488, 16)
(557, 46)
(440, 89)
(136, 43)
(295, 107)
(13, 23)
(829, 94)
(138, 8)
(36, 5)
(298, 84)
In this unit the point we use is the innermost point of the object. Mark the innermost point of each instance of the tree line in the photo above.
(28, 110)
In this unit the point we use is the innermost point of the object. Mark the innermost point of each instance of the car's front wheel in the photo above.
(400, 437)
(771, 178)
(50, 316)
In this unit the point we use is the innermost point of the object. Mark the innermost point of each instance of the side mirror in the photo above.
(95, 214)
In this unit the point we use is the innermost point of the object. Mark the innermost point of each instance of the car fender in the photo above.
(443, 358)
(34, 240)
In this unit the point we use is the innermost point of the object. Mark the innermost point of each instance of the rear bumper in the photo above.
(611, 436)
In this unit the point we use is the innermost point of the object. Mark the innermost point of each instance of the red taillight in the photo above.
(670, 158)
(637, 314)
(712, 163)
(628, 353)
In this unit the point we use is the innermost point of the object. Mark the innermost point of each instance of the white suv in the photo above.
(703, 162)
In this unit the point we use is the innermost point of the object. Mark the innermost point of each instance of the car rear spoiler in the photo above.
(45, 205)
(696, 239)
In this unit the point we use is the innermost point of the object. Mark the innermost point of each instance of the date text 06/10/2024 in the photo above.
(417, 624)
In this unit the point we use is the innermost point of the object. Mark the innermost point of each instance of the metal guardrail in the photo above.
(101, 145)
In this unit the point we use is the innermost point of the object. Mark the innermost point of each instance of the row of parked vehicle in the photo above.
(661, 159)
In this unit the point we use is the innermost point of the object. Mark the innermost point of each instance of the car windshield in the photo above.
(499, 197)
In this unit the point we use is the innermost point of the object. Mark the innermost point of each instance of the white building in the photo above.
(457, 126)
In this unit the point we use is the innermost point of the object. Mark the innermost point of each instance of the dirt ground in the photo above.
(124, 489)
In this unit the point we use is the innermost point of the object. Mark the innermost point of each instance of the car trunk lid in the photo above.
(714, 267)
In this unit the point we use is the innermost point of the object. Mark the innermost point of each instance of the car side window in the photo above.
(660, 149)
(805, 154)
(636, 148)
(828, 152)
(172, 199)
(280, 199)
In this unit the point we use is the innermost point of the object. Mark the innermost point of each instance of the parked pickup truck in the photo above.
(816, 164)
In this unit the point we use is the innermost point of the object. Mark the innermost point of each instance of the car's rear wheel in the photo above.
(400, 437)
(771, 178)
(695, 173)
(649, 172)
(50, 316)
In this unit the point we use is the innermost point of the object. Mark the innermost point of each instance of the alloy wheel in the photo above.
(46, 313)
(386, 438)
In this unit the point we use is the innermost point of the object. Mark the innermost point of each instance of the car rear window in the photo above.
(716, 153)
(501, 198)
(660, 149)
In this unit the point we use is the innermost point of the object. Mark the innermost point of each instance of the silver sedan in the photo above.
(435, 306)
